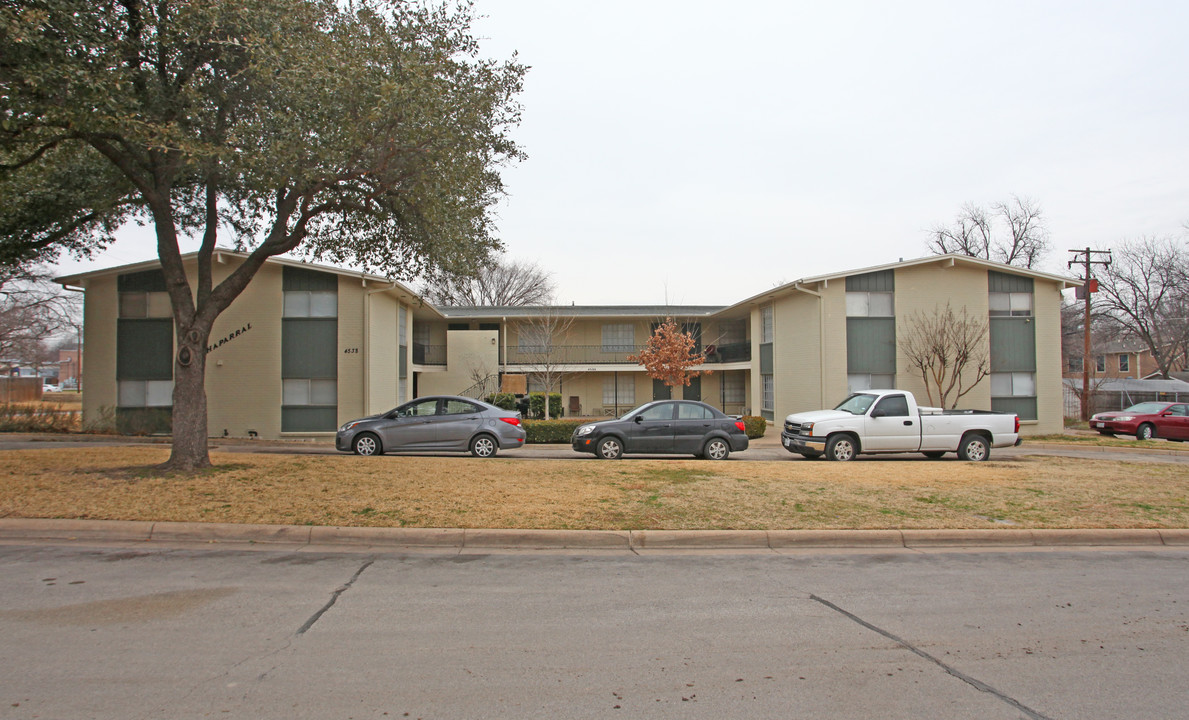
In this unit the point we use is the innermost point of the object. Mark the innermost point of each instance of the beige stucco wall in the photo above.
(99, 342)
(243, 374)
(381, 353)
(796, 353)
(1050, 410)
(925, 289)
(467, 352)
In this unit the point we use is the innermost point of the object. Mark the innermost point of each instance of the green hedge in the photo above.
(507, 401)
(536, 405)
(754, 426)
(550, 431)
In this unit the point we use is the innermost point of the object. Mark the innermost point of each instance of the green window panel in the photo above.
(1025, 407)
(403, 371)
(766, 359)
(1013, 344)
(309, 348)
(309, 419)
(884, 281)
(144, 349)
(147, 281)
(294, 278)
(871, 345)
(1003, 282)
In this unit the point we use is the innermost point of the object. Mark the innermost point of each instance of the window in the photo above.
(1100, 363)
(145, 393)
(734, 388)
(664, 411)
(857, 382)
(893, 406)
(686, 411)
(1124, 362)
(311, 304)
(1014, 304)
(1013, 384)
(1073, 363)
(869, 304)
(768, 393)
(622, 392)
(420, 408)
(766, 329)
(619, 338)
(145, 305)
(459, 407)
(309, 392)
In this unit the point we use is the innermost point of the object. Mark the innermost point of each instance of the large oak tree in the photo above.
(367, 133)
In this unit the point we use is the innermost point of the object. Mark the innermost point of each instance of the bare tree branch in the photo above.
(974, 233)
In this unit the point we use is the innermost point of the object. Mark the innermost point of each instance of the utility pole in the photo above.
(1086, 259)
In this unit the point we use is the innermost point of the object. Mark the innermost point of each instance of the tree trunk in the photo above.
(189, 402)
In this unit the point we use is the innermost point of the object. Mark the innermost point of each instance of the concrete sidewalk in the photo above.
(15, 530)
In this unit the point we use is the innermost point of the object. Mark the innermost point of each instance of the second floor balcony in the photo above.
(587, 355)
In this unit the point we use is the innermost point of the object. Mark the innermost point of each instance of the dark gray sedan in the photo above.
(441, 423)
(664, 426)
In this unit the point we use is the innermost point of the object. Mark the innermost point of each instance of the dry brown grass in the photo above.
(119, 484)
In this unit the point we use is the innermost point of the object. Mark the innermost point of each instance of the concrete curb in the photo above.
(115, 531)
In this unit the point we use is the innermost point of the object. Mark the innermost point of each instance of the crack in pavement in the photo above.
(333, 598)
(976, 684)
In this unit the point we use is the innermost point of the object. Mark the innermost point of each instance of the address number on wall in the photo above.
(351, 351)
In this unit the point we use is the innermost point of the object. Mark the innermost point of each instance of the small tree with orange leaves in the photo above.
(670, 355)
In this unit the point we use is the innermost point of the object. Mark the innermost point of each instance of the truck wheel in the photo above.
(975, 448)
(933, 454)
(810, 454)
(842, 448)
(1145, 432)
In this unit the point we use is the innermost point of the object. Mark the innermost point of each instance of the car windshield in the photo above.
(857, 404)
(1148, 408)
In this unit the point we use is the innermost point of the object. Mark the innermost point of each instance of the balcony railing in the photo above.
(580, 354)
(429, 354)
(608, 355)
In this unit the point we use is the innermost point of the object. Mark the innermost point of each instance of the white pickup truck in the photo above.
(889, 421)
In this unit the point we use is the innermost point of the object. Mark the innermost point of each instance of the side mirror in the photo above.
(877, 413)
(638, 419)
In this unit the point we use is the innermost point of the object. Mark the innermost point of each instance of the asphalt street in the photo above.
(189, 632)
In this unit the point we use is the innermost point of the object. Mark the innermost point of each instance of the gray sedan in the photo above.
(438, 423)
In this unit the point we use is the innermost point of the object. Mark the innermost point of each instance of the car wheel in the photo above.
(933, 454)
(484, 446)
(1147, 431)
(366, 444)
(841, 448)
(716, 449)
(975, 448)
(610, 449)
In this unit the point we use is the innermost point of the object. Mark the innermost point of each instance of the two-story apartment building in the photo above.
(307, 347)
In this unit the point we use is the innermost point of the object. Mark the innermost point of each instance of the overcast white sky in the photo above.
(699, 153)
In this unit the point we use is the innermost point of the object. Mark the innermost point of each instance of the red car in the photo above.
(1146, 421)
